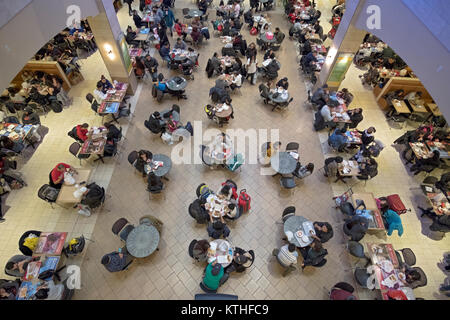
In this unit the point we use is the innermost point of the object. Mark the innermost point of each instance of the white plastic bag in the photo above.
(69, 179)
(167, 138)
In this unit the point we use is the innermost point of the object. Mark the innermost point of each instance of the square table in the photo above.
(420, 150)
(36, 268)
(400, 106)
(369, 201)
(433, 109)
(65, 195)
(95, 144)
(50, 244)
(352, 165)
(439, 203)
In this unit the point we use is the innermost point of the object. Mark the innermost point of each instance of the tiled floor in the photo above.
(170, 273)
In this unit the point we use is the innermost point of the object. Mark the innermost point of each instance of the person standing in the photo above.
(169, 19)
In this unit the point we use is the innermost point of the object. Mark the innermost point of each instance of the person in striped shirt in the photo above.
(288, 255)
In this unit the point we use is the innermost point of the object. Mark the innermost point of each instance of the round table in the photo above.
(178, 57)
(142, 241)
(294, 224)
(264, 38)
(220, 252)
(224, 113)
(283, 163)
(219, 158)
(278, 99)
(162, 171)
(174, 86)
(193, 13)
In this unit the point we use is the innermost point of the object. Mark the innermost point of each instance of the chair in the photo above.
(25, 250)
(429, 182)
(357, 250)
(132, 157)
(119, 225)
(191, 248)
(287, 213)
(362, 277)
(176, 108)
(292, 146)
(197, 191)
(156, 191)
(205, 158)
(408, 256)
(15, 259)
(422, 282)
(206, 289)
(75, 149)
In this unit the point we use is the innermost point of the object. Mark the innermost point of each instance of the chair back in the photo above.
(206, 289)
(191, 248)
(123, 235)
(287, 182)
(75, 148)
(132, 157)
(422, 282)
(355, 249)
(176, 108)
(408, 256)
(15, 259)
(292, 146)
(118, 225)
(361, 276)
(287, 213)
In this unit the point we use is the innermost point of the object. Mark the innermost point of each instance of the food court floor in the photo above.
(170, 273)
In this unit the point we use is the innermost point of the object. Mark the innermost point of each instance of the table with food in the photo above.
(221, 251)
(349, 168)
(221, 150)
(353, 137)
(420, 150)
(388, 273)
(439, 202)
(17, 132)
(442, 146)
(95, 144)
(217, 205)
(299, 231)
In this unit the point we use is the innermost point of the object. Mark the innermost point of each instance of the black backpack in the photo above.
(56, 106)
(48, 193)
(73, 133)
(94, 197)
(319, 122)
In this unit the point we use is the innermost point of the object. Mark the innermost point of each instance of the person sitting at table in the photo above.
(144, 157)
(236, 82)
(241, 261)
(283, 83)
(113, 133)
(368, 169)
(82, 131)
(233, 212)
(30, 117)
(302, 172)
(214, 273)
(355, 117)
(57, 174)
(414, 98)
(356, 227)
(161, 85)
(99, 95)
(264, 29)
(287, 255)
(312, 254)
(171, 124)
(367, 135)
(180, 44)
(393, 222)
(324, 231)
(428, 164)
(444, 183)
(154, 123)
(19, 267)
(130, 36)
(309, 60)
(338, 140)
(180, 29)
(217, 229)
(342, 291)
(154, 183)
(320, 96)
(200, 250)
(137, 20)
(269, 54)
(331, 166)
(164, 52)
(105, 84)
(151, 64)
(9, 289)
(49, 291)
(346, 95)
(115, 261)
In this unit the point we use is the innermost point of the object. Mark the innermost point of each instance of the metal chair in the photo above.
(75, 149)
(357, 250)
(361, 277)
(287, 213)
(292, 146)
(205, 159)
(152, 221)
(191, 248)
(121, 228)
(408, 256)
(132, 157)
(422, 282)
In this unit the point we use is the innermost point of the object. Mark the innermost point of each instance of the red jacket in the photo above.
(82, 133)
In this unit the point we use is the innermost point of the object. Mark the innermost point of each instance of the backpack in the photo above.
(244, 201)
(254, 31)
(48, 193)
(94, 197)
(56, 106)
(189, 128)
(73, 133)
(319, 122)
(204, 193)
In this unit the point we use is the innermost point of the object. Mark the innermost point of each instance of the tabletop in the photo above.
(400, 106)
(264, 38)
(224, 113)
(283, 162)
(95, 144)
(442, 147)
(434, 109)
(386, 266)
(439, 202)
(420, 150)
(294, 224)
(65, 195)
(162, 171)
(280, 99)
(16, 132)
(369, 201)
(354, 137)
(219, 252)
(174, 86)
(108, 107)
(218, 207)
(352, 168)
(195, 13)
(142, 241)
(141, 36)
(417, 108)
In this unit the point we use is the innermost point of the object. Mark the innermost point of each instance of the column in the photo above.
(112, 45)
(345, 45)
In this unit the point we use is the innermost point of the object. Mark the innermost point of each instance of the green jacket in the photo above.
(212, 282)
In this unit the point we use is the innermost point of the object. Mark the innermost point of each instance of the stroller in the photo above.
(371, 77)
